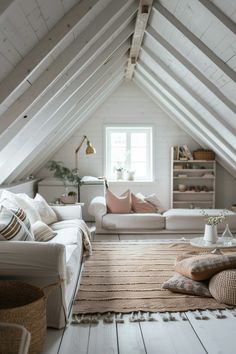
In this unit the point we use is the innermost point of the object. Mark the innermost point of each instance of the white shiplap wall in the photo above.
(130, 105)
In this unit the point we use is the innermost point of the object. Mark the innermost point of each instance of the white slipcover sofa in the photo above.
(54, 264)
(171, 221)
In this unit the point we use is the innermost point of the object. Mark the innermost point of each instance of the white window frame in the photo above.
(148, 129)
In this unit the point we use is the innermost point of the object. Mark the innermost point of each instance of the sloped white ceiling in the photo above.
(60, 59)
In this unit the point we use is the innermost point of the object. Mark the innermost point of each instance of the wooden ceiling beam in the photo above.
(202, 47)
(140, 26)
(214, 10)
(193, 69)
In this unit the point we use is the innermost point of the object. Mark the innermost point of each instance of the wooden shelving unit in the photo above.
(198, 178)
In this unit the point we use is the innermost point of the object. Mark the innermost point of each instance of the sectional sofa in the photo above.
(171, 221)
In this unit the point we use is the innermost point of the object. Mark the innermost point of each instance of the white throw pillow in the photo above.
(155, 201)
(42, 232)
(20, 201)
(14, 225)
(46, 213)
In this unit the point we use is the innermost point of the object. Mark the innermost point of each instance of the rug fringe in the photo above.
(140, 316)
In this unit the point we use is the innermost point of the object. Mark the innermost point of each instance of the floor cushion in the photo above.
(222, 286)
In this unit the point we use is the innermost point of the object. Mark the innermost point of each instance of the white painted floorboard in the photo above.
(212, 336)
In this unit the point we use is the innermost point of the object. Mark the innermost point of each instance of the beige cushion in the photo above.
(118, 205)
(139, 205)
(222, 286)
(42, 232)
(181, 284)
(133, 221)
(192, 219)
(203, 267)
(14, 225)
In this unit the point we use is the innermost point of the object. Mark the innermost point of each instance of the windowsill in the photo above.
(130, 182)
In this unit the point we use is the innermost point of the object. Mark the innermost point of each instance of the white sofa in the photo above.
(171, 221)
(55, 264)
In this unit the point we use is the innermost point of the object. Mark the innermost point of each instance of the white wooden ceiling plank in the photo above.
(182, 119)
(195, 40)
(5, 66)
(151, 32)
(211, 131)
(140, 25)
(8, 50)
(68, 4)
(39, 53)
(79, 66)
(5, 7)
(64, 102)
(224, 125)
(66, 128)
(228, 7)
(227, 22)
(34, 16)
(18, 30)
(32, 96)
(52, 11)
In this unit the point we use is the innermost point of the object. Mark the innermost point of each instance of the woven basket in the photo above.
(204, 155)
(25, 305)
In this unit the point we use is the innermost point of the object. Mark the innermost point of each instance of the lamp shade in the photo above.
(90, 149)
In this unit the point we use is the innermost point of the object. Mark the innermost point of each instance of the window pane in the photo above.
(138, 139)
(138, 154)
(118, 154)
(139, 168)
(118, 139)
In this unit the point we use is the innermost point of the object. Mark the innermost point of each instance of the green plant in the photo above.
(65, 174)
(215, 220)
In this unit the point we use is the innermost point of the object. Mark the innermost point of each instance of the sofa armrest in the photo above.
(67, 212)
(32, 259)
(98, 207)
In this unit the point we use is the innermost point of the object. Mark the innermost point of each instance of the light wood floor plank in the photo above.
(103, 339)
(105, 237)
(53, 340)
(130, 337)
(75, 339)
(217, 335)
(175, 337)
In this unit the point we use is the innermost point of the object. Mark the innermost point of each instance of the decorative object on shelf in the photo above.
(119, 173)
(130, 175)
(227, 236)
(202, 154)
(182, 187)
(233, 208)
(210, 234)
(71, 198)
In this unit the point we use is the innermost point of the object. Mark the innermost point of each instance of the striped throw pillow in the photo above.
(14, 225)
(42, 232)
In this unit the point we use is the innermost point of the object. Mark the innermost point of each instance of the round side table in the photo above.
(199, 242)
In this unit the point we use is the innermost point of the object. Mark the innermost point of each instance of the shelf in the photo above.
(194, 170)
(195, 177)
(193, 192)
(194, 161)
(195, 202)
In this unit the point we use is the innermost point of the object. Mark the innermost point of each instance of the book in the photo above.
(188, 153)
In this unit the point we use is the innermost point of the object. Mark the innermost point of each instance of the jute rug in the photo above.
(123, 277)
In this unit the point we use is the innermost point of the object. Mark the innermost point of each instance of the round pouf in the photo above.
(222, 286)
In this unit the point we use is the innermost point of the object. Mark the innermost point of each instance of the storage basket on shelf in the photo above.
(204, 155)
(25, 305)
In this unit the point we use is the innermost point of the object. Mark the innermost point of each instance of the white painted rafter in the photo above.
(51, 142)
(25, 143)
(195, 41)
(4, 6)
(193, 69)
(182, 119)
(36, 97)
(140, 25)
(208, 130)
(214, 10)
(44, 48)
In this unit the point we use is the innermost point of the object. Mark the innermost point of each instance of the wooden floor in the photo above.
(189, 333)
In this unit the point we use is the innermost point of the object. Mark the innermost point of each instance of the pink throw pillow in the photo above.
(118, 205)
(141, 206)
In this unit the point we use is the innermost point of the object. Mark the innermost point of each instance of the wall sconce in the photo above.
(89, 149)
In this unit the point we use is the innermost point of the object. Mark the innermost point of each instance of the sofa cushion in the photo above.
(203, 267)
(192, 219)
(46, 213)
(20, 201)
(67, 236)
(72, 223)
(14, 225)
(141, 206)
(42, 232)
(133, 221)
(180, 284)
(118, 205)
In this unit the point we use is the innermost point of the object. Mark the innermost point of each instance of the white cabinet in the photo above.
(192, 183)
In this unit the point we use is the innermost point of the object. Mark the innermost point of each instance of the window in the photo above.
(129, 148)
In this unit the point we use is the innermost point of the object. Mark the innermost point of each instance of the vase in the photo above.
(227, 236)
(119, 174)
(210, 235)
